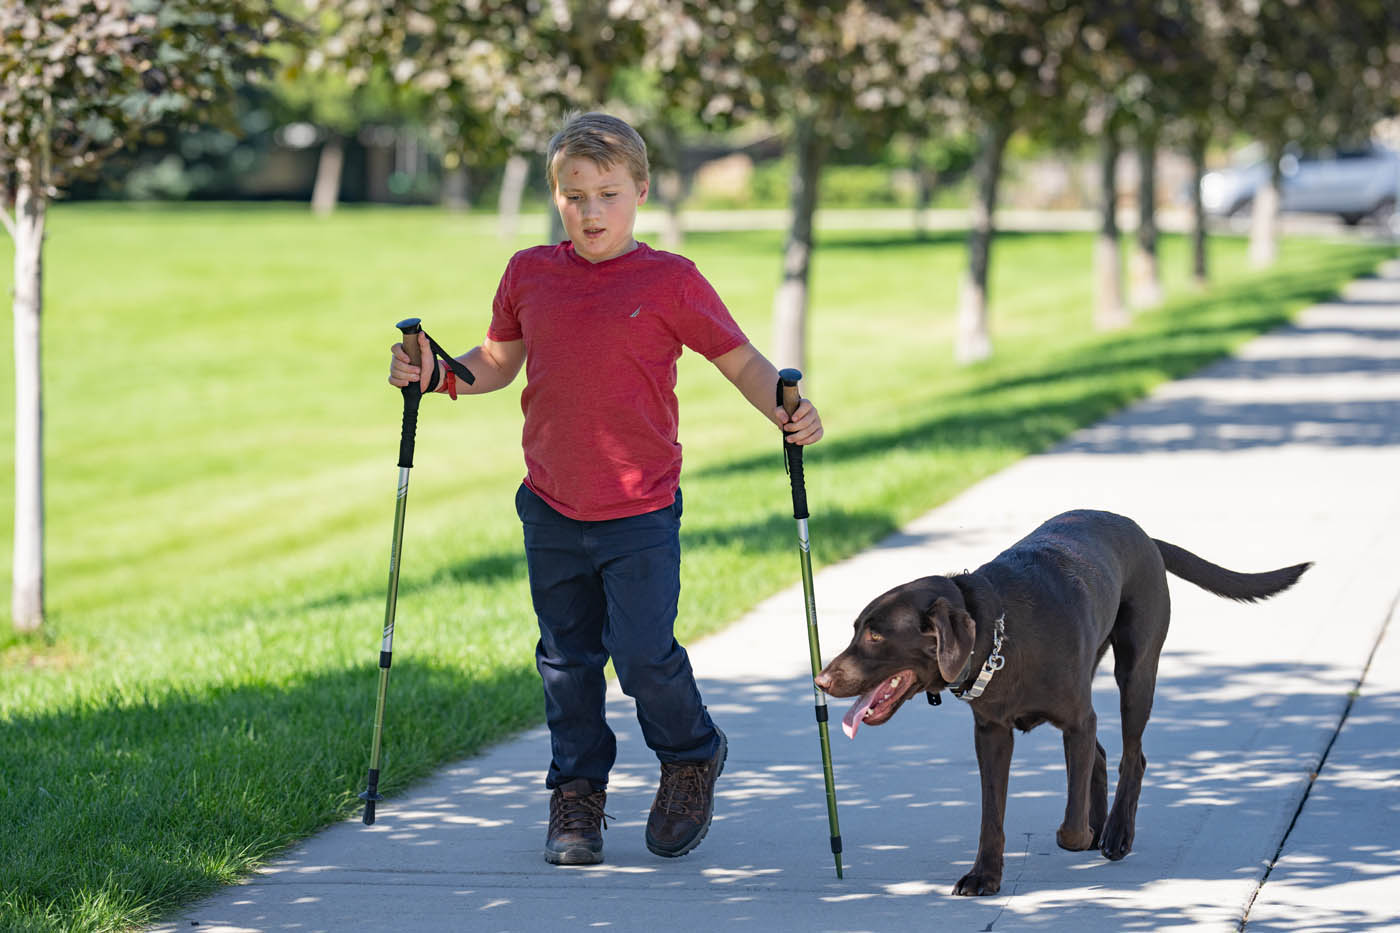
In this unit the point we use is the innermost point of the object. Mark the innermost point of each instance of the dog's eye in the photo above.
(873, 637)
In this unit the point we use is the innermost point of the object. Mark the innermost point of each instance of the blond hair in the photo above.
(602, 139)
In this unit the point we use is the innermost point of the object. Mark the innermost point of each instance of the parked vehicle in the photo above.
(1352, 183)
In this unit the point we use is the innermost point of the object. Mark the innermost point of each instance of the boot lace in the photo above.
(682, 789)
(577, 813)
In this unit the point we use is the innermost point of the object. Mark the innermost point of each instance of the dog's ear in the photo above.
(951, 634)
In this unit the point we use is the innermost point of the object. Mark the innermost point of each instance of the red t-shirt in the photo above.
(601, 344)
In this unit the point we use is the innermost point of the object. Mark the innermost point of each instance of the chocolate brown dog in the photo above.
(1019, 639)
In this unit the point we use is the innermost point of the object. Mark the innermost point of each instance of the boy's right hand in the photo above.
(401, 368)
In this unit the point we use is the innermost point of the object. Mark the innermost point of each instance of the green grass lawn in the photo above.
(221, 449)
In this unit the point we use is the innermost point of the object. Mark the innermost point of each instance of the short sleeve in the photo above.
(704, 323)
(505, 317)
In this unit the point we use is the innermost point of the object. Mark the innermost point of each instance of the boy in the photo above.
(599, 322)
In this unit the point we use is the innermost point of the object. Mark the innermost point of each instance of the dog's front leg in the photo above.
(994, 745)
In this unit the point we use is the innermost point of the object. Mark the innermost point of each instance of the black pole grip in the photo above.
(799, 486)
(789, 399)
(412, 393)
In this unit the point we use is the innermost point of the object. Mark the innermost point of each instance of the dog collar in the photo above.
(995, 662)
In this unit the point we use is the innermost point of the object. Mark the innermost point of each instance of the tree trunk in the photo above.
(974, 340)
(790, 304)
(512, 191)
(1109, 311)
(1264, 215)
(669, 186)
(27, 595)
(1199, 266)
(456, 186)
(326, 191)
(1146, 288)
(924, 180)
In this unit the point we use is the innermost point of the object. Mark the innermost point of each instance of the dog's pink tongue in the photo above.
(856, 714)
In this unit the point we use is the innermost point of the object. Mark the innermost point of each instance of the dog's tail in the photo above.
(1246, 587)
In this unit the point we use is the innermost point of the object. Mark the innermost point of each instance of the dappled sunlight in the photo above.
(1230, 751)
(731, 875)
(911, 888)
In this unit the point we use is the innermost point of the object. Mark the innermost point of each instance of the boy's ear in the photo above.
(643, 189)
(951, 633)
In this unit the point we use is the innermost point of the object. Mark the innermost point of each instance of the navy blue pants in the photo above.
(604, 590)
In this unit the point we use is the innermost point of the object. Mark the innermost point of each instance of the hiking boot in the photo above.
(576, 824)
(684, 804)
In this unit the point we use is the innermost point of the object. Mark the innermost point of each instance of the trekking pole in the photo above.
(412, 393)
(788, 398)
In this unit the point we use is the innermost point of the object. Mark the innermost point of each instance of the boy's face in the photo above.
(598, 207)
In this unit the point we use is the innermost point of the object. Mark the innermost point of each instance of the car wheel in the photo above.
(1384, 214)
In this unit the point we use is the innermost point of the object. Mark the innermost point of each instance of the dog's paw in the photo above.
(1117, 840)
(1075, 840)
(978, 884)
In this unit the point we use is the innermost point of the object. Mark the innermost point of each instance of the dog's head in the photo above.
(912, 639)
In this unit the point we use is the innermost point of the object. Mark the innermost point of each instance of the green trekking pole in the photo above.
(788, 398)
(412, 393)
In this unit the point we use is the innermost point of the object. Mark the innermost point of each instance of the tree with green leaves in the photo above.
(817, 69)
(1316, 74)
(79, 81)
(495, 76)
(1199, 89)
(1128, 62)
(1161, 41)
(338, 110)
(1001, 70)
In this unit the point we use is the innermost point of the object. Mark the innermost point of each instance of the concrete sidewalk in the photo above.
(1289, 451)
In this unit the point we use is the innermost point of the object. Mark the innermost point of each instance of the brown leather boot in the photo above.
(576, 824)
(684, 804)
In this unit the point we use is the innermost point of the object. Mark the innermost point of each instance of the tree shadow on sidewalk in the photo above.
(1230, 747)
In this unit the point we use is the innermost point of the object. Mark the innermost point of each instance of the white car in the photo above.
(1352, 183)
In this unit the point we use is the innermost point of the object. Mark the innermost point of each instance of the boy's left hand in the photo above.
(804, 426)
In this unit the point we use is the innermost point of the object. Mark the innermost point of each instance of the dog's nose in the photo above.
(824, 680)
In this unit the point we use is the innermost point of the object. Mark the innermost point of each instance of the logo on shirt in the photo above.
(637, 312)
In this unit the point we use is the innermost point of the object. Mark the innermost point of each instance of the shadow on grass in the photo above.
(1105, 375)
(140, 805)
(837, 241)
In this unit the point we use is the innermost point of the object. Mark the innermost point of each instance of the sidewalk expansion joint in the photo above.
(1352, 694)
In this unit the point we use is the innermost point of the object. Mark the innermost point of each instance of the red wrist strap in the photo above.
(450, 385)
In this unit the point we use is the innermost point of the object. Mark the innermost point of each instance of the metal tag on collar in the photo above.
(995, 662)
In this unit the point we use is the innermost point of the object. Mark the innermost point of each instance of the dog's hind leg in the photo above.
(1137, 645)
(1078, 831)
(1098, 795)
